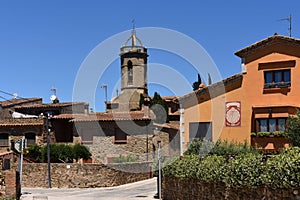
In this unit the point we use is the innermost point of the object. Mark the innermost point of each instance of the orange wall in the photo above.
(251, 93)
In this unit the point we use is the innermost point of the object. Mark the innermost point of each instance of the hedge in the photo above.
(243, 170)
(58, 153)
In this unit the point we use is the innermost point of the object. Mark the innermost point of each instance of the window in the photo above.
(30, 137)
(120, 136)
(3, 139)
(200, 130)
(271, 125)
(130, 73)
(278, 78)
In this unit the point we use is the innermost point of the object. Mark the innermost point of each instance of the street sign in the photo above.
(18, 145)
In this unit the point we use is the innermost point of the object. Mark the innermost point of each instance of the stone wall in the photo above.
(84, 175)
(175, 188)
(103, 149)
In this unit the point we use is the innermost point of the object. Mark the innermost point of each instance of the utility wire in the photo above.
(7, 93)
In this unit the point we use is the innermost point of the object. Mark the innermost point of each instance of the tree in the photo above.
(197, 83)
(160, 109)
(292, 131)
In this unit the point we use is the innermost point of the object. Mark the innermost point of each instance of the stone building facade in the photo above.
(133, 76)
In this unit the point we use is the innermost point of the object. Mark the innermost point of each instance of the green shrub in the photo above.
(58, 153)
(253, 134)
(263, 134)
(245, 170)
(212, 169)
(292, 132)
(278, 133)
(34, 153)
(81, 151)
(199, 147)
(183, 167)
(221, 148)
(283, 170)
(124, 159)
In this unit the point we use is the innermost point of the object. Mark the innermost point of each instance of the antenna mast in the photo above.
(290, 20)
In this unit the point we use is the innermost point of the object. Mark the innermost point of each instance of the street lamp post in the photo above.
(158, 194)
(48, 116)
(159, 168)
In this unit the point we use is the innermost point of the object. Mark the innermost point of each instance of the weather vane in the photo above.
(290, 20)
(133, 26)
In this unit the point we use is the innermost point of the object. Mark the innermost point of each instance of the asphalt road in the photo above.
(142, 190)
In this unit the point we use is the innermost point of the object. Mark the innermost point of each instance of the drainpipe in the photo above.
(181, 129)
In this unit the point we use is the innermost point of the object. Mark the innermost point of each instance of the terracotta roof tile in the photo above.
(15, 102)
(51, 105)
(170, 98)
(267, 41)
(172, 125)
(101, 116)
(22, 122)
(212, 87)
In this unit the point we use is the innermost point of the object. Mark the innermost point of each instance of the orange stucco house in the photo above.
(259, 99)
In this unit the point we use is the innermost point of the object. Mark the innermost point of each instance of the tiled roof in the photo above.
(172, 125)
(267, 41)
(175, 113)
(170, 98)
(51, 105)
(210, 88)
(15, 102)
(114, 116)
(22, 122)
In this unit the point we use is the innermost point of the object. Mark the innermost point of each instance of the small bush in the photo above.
(184, 167)
(283, 170)
(212, 169)
(80, 151)
(279, 134)
(58, 153)
(263, 134)
(253, 134)
(245, 170)
(292, 132)
(221, 148)
(124, 159)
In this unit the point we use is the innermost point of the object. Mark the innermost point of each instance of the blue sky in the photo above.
(43, 43)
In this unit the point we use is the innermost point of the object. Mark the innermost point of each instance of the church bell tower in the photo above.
(133, 57)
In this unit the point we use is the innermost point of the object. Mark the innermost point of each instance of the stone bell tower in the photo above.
(133, 57)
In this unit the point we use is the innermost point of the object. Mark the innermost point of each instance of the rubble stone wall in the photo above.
(84, 175)
(176, 188)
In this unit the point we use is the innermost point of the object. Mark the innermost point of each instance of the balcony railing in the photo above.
(139, 49)
(277, 85)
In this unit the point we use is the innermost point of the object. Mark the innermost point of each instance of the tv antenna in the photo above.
(53, 96)
(290, 20)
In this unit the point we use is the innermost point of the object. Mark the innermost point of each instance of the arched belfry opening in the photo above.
(130, 72)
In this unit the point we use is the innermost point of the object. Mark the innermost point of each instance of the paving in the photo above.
(142, 190)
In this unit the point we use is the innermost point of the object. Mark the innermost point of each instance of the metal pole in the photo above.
(159, 169)
(21, 163)
(48, 149)
(147, 142)
(105, 88)
(290, 19)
